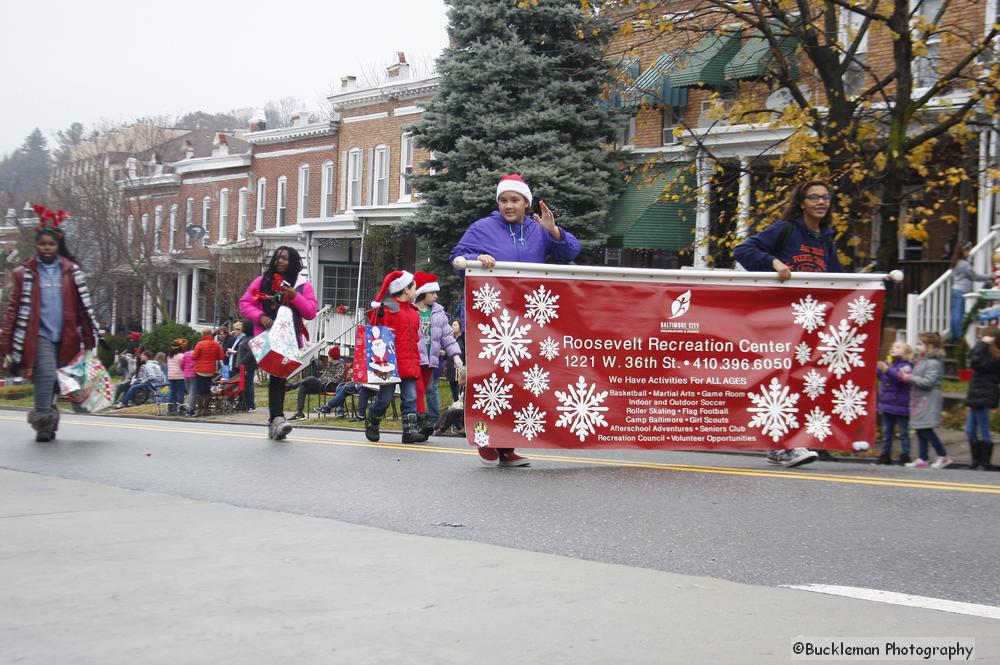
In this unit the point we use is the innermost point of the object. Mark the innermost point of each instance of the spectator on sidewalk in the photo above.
(454, 416)
(207, 356)
(331, 373)
(894, 401)
(926, 400)
(175, 375)
(982, 396)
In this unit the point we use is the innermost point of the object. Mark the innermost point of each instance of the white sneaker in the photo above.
(792, 457)
(941, 463)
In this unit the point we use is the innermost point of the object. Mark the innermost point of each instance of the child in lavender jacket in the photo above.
(894, 401)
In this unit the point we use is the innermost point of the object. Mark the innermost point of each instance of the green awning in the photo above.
(755, 58)
(705, 65)
(655, 87)
(640, 220)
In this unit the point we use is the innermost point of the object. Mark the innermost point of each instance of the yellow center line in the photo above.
(555, 457)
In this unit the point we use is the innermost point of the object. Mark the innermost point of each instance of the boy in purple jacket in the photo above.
(894, 401)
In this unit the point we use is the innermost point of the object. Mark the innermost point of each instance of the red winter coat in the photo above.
(404, 320)
(77, 329)
(206, 354)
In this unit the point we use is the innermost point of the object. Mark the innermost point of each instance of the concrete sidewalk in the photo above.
(102, 575)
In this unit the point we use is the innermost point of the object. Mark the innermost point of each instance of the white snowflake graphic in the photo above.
(486, 299)
(541, 306)
(861, 310)
(548, 348)
(581, 408)
(803, 352)
(536, 380)
(818, 424)
(774, 410)
(809, 313)
(529, 421)
(492, 395)
(842, 348)
(506, 340)
(481, 439)
(849, 402)
(815, 384)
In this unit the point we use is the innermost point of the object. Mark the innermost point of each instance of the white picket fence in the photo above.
(931, 310)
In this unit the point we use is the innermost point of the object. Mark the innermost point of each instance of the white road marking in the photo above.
(909, 600)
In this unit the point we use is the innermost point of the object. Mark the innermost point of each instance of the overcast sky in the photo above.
(111, 61)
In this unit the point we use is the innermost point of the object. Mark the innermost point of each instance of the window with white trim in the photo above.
(157, 228)
(326, 207)
(353, 177)
(129, 232)
(261, 202)
(241, 214)
(856, 75)
(144, 229)
(925, 65)
(206, 211)
(381, 176)
(188, 218)
(303, 211)
(223, 216)
(405, 167)
(282, 200)
(172, 240)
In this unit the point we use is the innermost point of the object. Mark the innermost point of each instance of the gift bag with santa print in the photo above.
(276, 350)
(375, 356)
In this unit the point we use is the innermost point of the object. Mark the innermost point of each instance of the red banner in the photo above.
(570, 357)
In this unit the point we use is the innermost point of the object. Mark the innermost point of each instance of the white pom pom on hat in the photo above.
(512, 182)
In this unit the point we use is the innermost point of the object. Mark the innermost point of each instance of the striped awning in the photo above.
(641, 219)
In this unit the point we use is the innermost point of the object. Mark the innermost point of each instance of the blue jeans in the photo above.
(433, 400)
(43, 377)
(925, 436)
(407, 397)
(979, 419)
(340, 396)
(957, 314)
(136, 387)
(177, 391)
(889, 423)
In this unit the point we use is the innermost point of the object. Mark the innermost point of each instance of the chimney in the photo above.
(348, 82)
(258, 122)
(300, 116)
(188, 150)
(219, 146)
(400, 70)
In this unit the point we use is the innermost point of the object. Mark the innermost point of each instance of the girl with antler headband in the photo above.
(48, 318)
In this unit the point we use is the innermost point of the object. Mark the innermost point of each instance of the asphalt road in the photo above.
(730, 517)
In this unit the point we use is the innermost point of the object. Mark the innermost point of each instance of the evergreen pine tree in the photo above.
(518, 94)
(32, 163)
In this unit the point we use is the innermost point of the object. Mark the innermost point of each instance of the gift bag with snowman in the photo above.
(375, 356)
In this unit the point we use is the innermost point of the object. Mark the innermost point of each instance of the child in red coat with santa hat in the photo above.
(393, 308)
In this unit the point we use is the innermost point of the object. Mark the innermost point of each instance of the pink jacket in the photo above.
(304, 303)
(187, 365)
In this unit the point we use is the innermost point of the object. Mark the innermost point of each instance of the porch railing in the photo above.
(931, 309)
(326, 329)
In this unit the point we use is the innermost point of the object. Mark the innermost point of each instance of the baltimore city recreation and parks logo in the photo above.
(679, 306)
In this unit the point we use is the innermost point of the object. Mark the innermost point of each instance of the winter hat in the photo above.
(426, 283)
(394, 282)
(514, 183)
(334, 353)
(134, 336)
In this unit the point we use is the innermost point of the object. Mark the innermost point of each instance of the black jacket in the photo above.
(984, 389)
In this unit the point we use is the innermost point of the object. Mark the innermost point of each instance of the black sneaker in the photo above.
(884, 459)
(904, 459)
(297, 416)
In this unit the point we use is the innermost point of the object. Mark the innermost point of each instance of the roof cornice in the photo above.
(402, 90)
(326, 128)
(211, 163)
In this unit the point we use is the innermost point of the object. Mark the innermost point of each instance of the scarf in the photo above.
(24, 307)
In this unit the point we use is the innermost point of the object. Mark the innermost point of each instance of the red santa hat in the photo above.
(394, 282)
(426, 283)
(514, 183)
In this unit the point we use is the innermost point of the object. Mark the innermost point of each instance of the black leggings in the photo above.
(276, 397)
